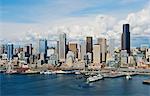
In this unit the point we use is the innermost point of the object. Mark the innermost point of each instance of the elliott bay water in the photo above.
(72, 85)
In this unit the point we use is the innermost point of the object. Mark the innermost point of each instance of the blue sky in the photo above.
(27, 11)
(20, 16)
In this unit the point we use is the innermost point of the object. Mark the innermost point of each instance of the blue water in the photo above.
(54, 85)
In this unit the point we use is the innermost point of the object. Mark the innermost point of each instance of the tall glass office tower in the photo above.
(9, 51)
(125, 38)
(43, 46)
(62, 47)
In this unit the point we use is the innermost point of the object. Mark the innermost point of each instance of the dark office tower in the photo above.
(125, 38)
(89, 46)
(43, 46)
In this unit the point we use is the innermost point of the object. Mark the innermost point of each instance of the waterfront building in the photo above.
(124, 58)
(10, 51)
(70, 58)
(131, 61)
(102, 43)
(62, 47)
(53, 59)
(148, 55)
(125, 38)
(74, 49)
(96, 53)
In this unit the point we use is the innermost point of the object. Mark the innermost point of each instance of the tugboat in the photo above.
(94, 78)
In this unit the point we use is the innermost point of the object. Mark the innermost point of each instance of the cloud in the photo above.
(101, 25)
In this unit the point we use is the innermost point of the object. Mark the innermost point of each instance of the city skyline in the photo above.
(83, 18)
(74, 47)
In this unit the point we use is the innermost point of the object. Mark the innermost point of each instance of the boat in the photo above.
(94, 78)
(128, 77)
(30, 72)
(46, 72)
(146, 82)
(77, 73)
(64, 72)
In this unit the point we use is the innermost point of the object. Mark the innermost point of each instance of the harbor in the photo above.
(55, 84)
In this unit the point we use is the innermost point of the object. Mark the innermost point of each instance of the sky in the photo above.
(29, 20)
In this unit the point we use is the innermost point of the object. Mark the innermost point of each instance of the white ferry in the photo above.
(94, 78)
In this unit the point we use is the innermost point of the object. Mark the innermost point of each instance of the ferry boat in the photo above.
(64, 72)
(94, 78)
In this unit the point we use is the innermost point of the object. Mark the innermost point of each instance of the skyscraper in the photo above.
(30, 49)
(125, 38)
(96, 53)
(43, 46)
(62, 47)
(74, 49)
(83, 50)
(10, 51)
(102, 43)
(89, 46)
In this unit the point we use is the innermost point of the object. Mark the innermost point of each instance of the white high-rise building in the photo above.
(62, 47)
